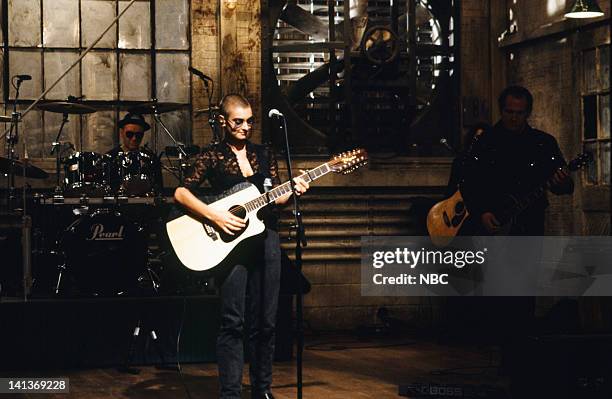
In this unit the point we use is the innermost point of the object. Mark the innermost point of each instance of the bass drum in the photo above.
(105, 254)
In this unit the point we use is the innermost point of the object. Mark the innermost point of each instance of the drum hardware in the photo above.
(145, 319)
(56, 148)
(190, 150)
(60, 267)
(30, 171)
(13, 167)
(156, 109)
(105, 201)
(12, 139)
(61, 270)
(155, 106)
(67, 107)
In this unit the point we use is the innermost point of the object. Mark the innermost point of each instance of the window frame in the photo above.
(116, 106)
(599, 91)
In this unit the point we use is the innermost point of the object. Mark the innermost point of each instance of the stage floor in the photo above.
(335, 367)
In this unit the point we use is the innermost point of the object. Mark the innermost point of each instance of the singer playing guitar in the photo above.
(256, 267)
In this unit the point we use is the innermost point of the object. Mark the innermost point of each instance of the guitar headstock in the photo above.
(347, 162)
(580, 161)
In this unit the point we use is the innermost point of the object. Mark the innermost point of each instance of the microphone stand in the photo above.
(179, 146)
(213, 110)
(300, 241)
(213, 121)
(26, 221)
(56, 149)
(12, 139)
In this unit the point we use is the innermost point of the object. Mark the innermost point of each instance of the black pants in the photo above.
(259, 278)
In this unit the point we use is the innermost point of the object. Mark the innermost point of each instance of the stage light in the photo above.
(585, 9)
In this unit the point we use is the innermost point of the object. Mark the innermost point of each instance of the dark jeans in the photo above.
(260, 279)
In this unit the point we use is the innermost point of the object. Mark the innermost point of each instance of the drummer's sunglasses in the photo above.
(129, 134)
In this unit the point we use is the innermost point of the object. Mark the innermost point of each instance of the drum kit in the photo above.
(96, 189)
(88, 240)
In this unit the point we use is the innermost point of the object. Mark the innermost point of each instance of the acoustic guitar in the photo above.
(446, 217)
(200, 246)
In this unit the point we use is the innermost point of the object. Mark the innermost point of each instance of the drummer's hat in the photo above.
(135, 119)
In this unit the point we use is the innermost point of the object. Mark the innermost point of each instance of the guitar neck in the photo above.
(277, 192)
(522, 202)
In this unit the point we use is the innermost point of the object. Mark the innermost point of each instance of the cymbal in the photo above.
(4, 118)
(149, 108)
(200, 111)
(64, 107)
(31, 171)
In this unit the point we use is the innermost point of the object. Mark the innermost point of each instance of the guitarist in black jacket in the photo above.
(513, 159)
(257, 274)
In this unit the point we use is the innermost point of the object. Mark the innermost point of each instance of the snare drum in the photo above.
(136, 171)
(105, 253)
(86, 173)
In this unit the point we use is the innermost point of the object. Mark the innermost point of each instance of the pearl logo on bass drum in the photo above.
(99, 234)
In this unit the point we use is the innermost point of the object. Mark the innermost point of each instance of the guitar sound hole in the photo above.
(241, 212)
(459, 208)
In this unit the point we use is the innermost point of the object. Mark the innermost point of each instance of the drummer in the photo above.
(132, 129)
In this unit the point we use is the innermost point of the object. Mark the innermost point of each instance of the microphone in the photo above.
(73, 99)
(199, 73)
(274, 112)
(24, 77)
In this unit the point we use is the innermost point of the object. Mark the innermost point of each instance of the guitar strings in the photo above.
(238, 209)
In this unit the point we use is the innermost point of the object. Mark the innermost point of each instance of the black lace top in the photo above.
(218, 165)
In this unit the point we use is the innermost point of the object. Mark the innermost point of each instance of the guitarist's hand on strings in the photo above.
(300, 188)
(559, 180)
(227, 221)
(490, 222)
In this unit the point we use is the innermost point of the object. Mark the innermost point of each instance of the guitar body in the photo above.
(446, 218)
(199, 245)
